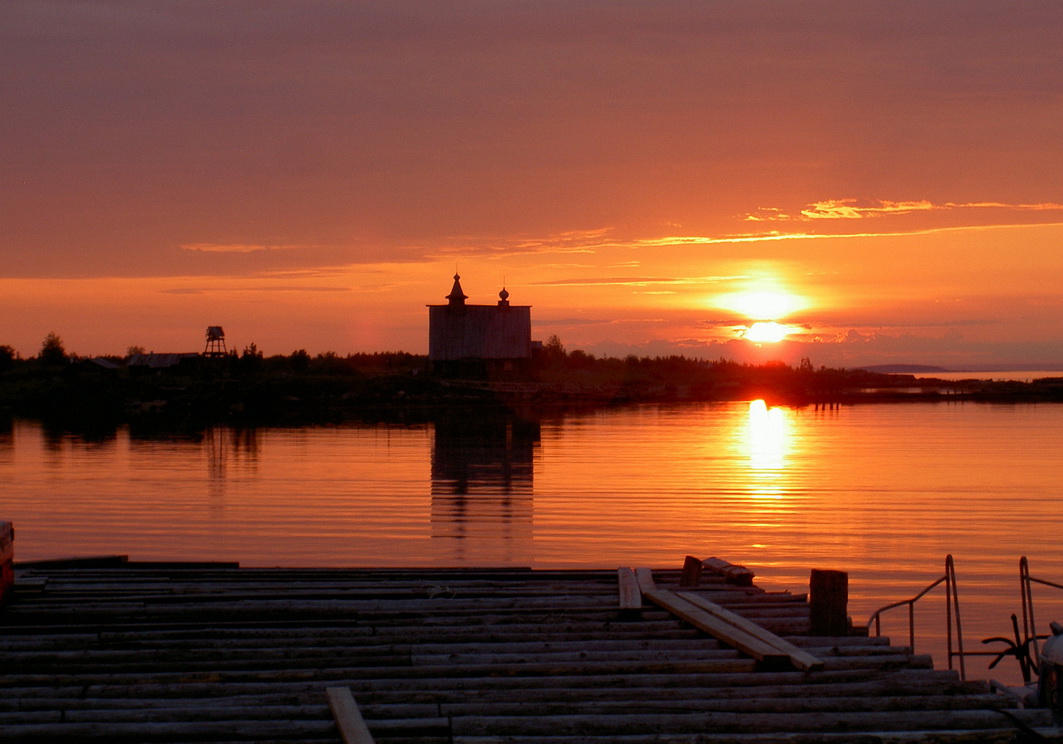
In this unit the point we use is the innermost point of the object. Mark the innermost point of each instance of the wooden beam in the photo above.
(630, 596)
(798, 657)
(348, 718)
(725, 632)
(645, 580)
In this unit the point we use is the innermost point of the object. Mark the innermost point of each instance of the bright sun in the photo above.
(764, 307)
(767, 332)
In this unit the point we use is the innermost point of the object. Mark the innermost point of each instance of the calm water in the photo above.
(881, 491)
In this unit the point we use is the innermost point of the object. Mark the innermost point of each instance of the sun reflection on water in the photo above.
(767, 436)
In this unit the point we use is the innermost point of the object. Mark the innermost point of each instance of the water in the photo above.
(883, 492)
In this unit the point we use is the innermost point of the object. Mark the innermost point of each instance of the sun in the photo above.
(767, 332)
(764, 307)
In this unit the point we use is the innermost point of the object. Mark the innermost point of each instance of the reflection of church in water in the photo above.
(482, 456)
(482, 463)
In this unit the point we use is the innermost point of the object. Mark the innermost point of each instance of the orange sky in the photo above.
(309, 174)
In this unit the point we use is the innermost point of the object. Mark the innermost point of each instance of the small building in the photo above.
(478, 341)
(152, 362)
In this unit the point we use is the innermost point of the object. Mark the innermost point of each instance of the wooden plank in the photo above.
(798, 657)
(348, 718)
(630, 596)
(729, 634)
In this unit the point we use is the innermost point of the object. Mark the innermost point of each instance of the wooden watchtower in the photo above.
(215, 342)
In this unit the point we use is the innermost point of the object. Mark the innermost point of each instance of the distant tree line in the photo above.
(194, 391)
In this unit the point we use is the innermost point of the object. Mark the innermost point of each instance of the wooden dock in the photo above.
(126, 652)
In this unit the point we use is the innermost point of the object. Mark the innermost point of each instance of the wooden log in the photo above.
(732, 573)
(577, 656)
(828, 600)
(690, 702)
(798, 657)
(348, 718)
(913, 684)
(725, 632)
(754, 685)
(628, 586)
(977, 736)
(321, 673)
(796, 723)
(124, 732)
(691, 571)
(428, 688)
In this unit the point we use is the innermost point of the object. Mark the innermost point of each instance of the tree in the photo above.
(251, 359)
(553, 350)
(52, 351)
(134, 350)
(8, 355)
(299, 360)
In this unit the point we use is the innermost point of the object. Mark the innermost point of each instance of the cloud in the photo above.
(237, 248)
(611, 281)
(636, 281)
(853, 209)
(567, 242)
(259, 288)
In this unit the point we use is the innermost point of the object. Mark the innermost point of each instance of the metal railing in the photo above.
(1026, 582)
(1024, 647)
(952, 611)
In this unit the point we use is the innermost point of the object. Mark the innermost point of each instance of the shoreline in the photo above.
(84, 398)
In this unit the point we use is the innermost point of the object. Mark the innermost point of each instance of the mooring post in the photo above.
(691, 571)
(7, 560)
(829, 601)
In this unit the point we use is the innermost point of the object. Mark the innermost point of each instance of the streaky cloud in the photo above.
(853, 209)
(268, 288)
(566, 242)
(635, 281)
(779, 235)
(237, 247)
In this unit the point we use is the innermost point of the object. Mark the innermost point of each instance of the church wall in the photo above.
(479, 332)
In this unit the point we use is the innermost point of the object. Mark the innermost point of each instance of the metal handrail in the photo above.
(952, 608)
(1025, 585)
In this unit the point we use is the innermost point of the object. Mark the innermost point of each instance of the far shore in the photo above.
(190, 392)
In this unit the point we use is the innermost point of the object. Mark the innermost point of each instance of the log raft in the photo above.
(129, 652)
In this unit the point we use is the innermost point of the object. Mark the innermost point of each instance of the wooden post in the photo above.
(691, 571)
(7, 560)
(829, 600)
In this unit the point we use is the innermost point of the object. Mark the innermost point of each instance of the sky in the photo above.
(883, 181)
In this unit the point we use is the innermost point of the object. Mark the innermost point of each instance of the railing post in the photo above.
(7, 560)
(952, 606)
(828, 598)
(1029, 625)
(911, 625)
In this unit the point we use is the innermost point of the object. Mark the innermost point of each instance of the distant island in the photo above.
(188, 392)
(911, 369)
